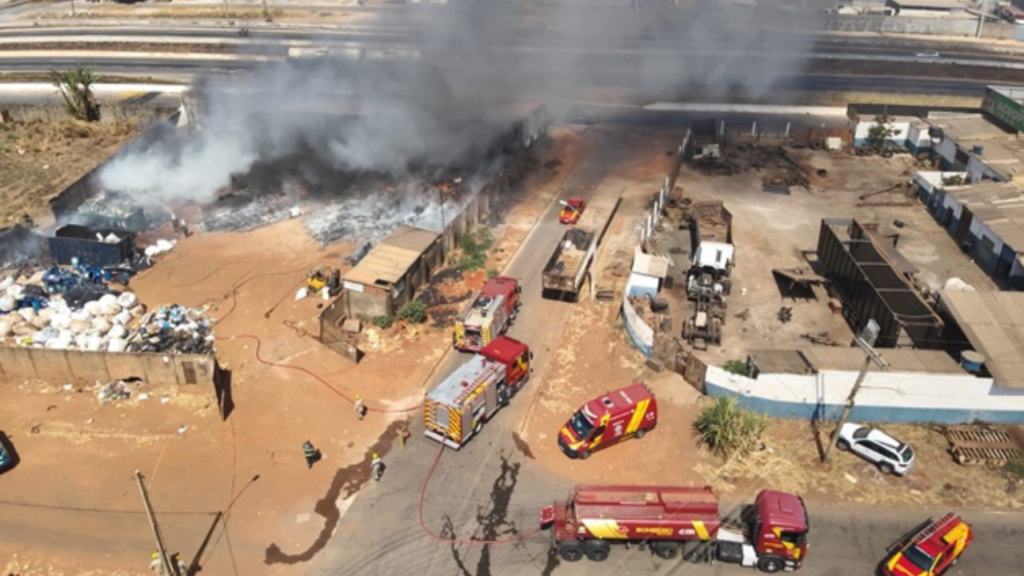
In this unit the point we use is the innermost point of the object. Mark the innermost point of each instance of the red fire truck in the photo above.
(457, 408)
(610, 419)
(771, 534)
(930, 549)
(488, 314)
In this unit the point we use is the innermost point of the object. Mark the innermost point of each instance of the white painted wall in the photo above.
(888, 389)
(980, 229)
(947, 149)
(977, 170)
(951, 203)
(860, 132)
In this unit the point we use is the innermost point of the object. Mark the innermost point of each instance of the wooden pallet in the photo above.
(973, 446)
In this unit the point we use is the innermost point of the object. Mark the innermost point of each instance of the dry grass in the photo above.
(42, 154)
(792, 462)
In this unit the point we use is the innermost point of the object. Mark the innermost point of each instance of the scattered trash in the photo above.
(850, 478)
(117, 390)
(300, 294)
(183, 429)
(159, 247)
(174, 329)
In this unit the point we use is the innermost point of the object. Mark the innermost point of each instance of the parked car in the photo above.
(7, 456)
(889, 454)
(571, 210)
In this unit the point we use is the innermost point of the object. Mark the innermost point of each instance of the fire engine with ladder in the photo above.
(488, 315)
(930, 549)
(457, 408)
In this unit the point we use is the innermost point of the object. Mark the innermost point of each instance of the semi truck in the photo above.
(771, 534)
(458, 407)
(488, 315)
(565, 271)
(714, 254)
(605, 421)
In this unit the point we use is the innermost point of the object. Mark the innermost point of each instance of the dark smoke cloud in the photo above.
(472, 59)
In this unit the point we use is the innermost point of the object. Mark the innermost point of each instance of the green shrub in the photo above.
(736, 367)
(729, 430)
(383, 322)
(474, 246)
(1014, 469)
(413, 311)
(492, 273)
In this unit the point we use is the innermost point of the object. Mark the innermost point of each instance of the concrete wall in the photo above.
(639, 332)
(918, 25)
(88, 367)
(884, 397)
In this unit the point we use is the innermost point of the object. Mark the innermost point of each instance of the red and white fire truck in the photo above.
(488, 315)
(457, 408)
(771, 534)
(930, 549)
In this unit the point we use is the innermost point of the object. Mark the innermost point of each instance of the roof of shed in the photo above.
(392, 258)
(994, 325)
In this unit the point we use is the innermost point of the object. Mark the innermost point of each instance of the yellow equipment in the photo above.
(322, 276)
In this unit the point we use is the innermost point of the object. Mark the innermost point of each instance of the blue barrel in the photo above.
(971, 361)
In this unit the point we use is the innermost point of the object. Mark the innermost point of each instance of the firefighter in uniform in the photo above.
(377, 466)
(310, 453)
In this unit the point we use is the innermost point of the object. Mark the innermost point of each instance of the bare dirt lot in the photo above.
(770, 231)
(44, 153)
(78, 455)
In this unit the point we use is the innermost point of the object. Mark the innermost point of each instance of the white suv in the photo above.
(891, 455)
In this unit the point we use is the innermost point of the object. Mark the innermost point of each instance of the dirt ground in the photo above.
(248, 282)
(770, 231)
(40, 157)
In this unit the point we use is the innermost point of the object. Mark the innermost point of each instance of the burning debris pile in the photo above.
(68, 308)
(112, 210)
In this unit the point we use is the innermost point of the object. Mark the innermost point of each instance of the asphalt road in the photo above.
(492, 490)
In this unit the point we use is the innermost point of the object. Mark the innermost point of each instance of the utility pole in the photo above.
(161, 549)
(981, 17)
(869, 356)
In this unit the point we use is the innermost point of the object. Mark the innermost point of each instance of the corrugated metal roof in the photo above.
(994, 325)
(817, 358)
(650, 264)
(930, 4)
(998, 205)
(392, 258)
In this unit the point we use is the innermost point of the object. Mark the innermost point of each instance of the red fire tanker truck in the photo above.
(456, 410)
(771, 534)
(488, 314)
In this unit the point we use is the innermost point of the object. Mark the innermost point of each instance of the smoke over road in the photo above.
(412, 117)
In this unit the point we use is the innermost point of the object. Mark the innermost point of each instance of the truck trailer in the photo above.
(771, 534)
(457, 408)
(488, 315)
(567, 268)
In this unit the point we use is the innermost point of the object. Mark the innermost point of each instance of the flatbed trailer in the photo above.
(568, 265)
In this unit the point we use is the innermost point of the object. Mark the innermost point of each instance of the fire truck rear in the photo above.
(771, 534)
(457, 408)
(488, 315)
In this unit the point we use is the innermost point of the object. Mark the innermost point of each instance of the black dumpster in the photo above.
(90, 245)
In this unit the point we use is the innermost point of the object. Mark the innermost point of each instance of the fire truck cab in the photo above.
(488, 315)
(626, 413)
(931, 549)
(457, 408)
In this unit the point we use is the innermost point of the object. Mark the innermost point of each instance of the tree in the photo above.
(75, 86)
(880, 135)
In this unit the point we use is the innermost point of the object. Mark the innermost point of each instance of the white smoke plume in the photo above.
(474, 57)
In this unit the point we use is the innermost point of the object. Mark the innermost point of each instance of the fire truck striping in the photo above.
(638, 416)
(439, 538)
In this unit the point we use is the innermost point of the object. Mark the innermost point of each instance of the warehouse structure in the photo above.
(992, 324)
(879, 302)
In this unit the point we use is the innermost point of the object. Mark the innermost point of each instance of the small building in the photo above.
(929, 7)
(391, 273)
(993, 325)
(987, 221)
(648, 273)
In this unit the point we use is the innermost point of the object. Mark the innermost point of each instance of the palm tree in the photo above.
(75, 86)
